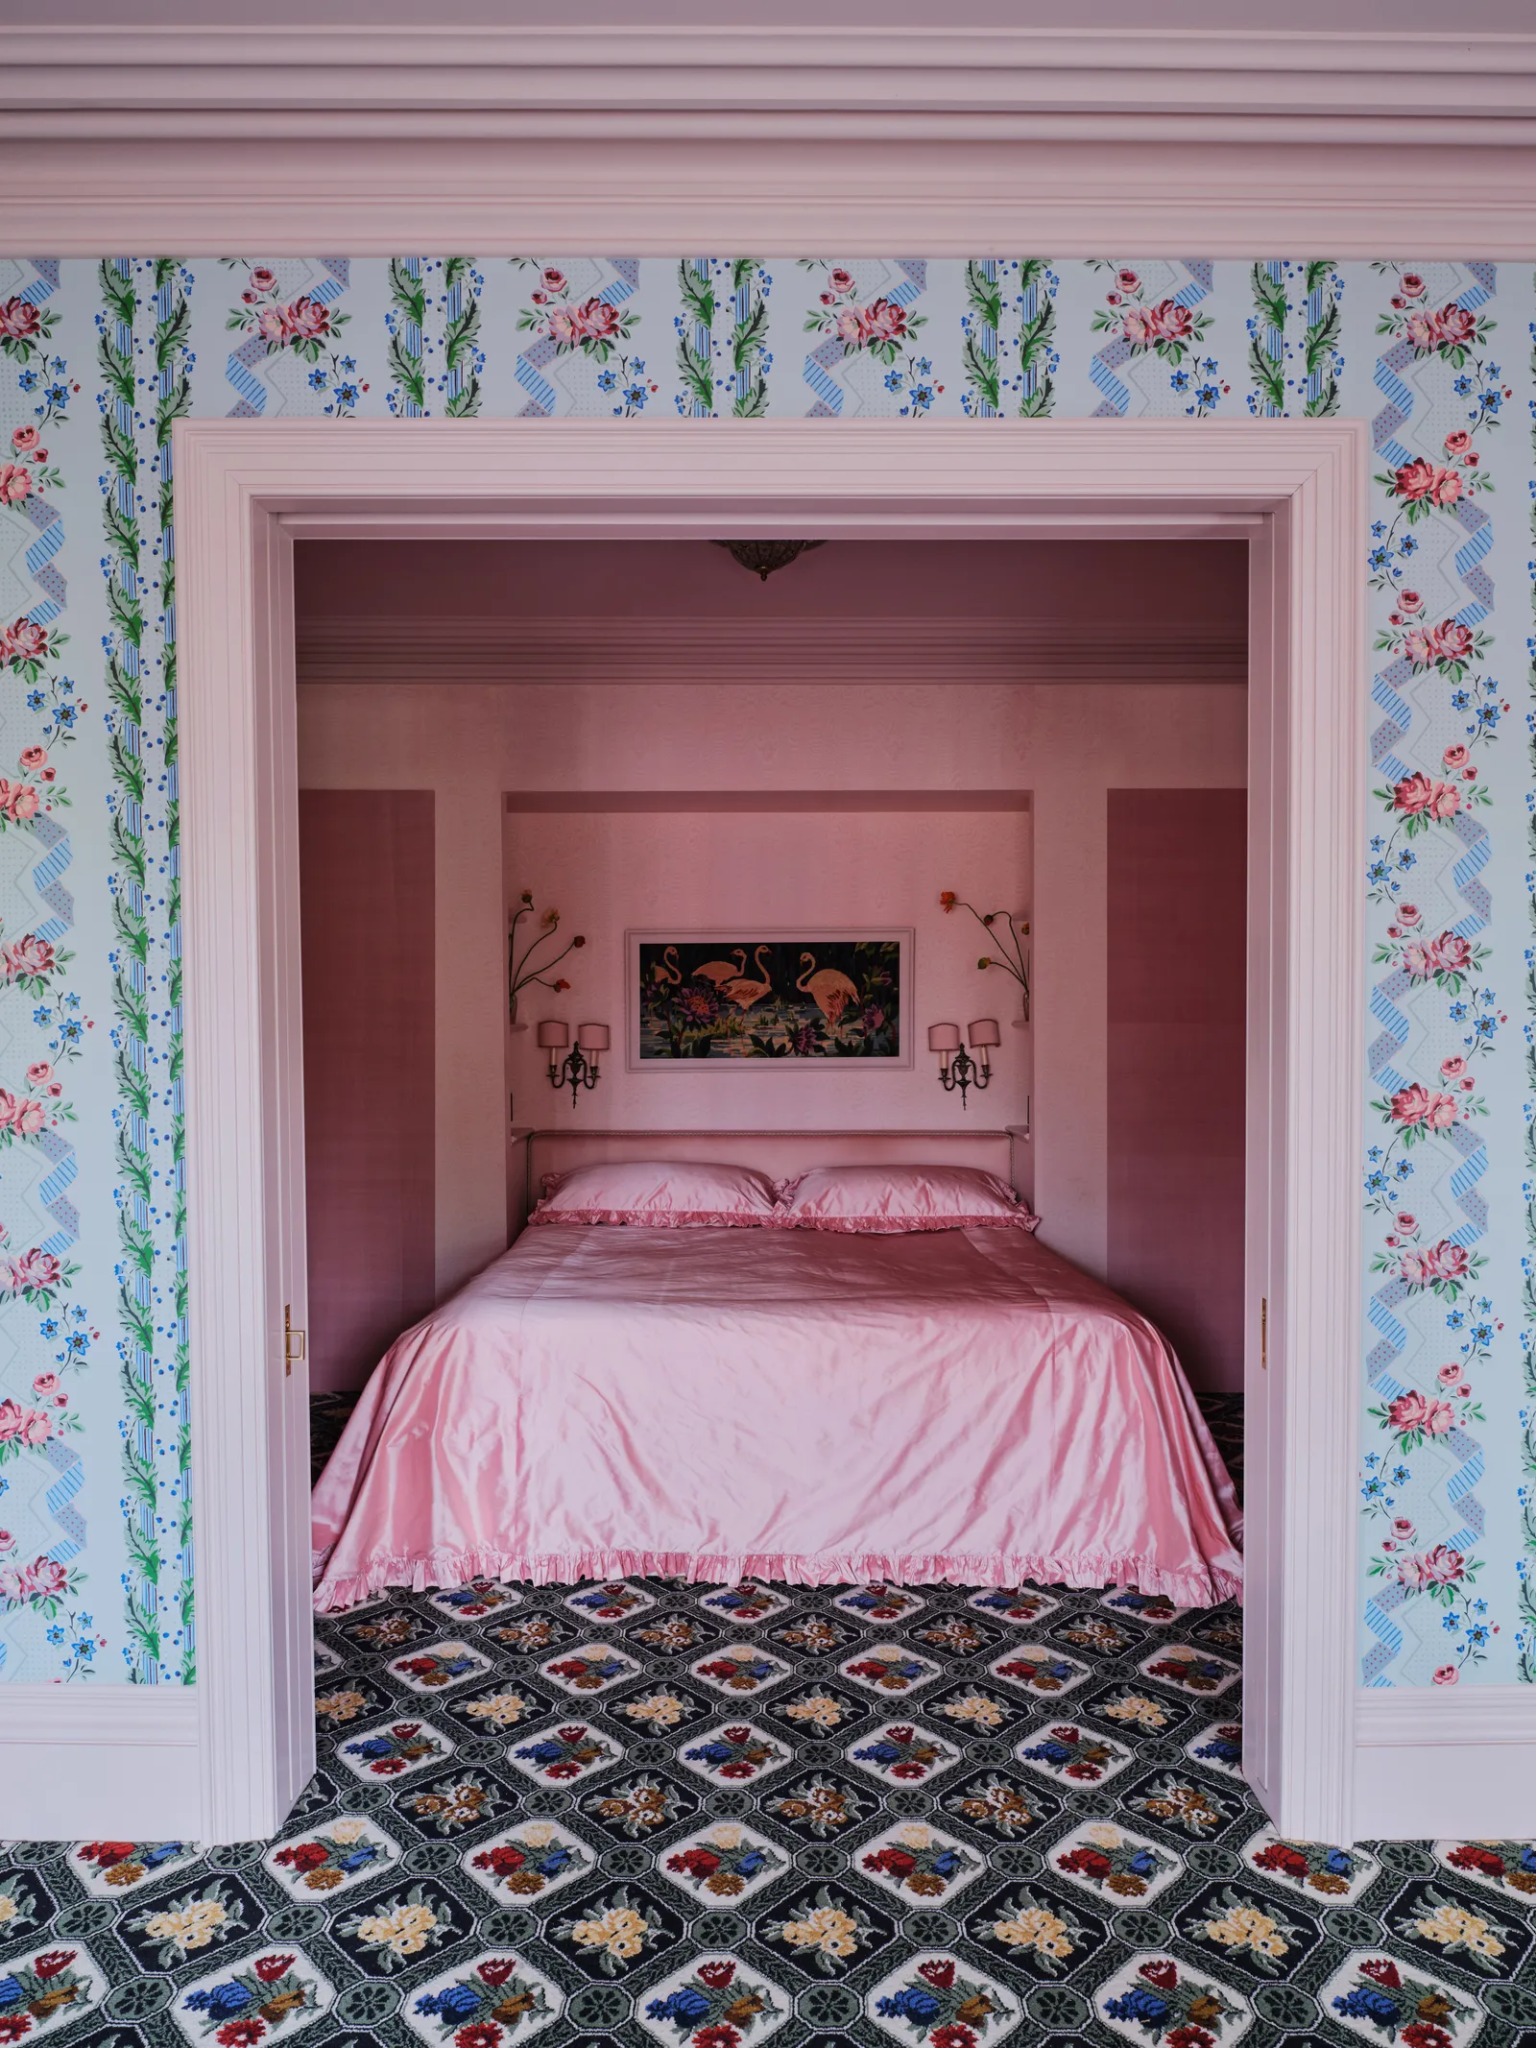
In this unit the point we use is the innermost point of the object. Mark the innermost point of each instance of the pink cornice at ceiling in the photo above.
(1158, 584)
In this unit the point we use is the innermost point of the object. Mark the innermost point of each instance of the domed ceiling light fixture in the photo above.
(764, 556)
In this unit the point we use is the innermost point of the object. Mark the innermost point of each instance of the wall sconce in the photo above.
(956, 1067)
(576, 1071)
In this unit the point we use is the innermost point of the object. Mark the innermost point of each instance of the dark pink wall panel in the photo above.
(1175, 1079)
(367, 913)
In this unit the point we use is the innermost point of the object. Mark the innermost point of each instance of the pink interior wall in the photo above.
(368, 914)
(947, 740)
(1175, 1068)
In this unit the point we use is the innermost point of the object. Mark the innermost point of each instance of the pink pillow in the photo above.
(664, 1194)
(900, 1198)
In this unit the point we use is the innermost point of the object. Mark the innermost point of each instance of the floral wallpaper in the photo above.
(97, 361)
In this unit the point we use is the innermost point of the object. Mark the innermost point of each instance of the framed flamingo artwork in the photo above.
(798, 997)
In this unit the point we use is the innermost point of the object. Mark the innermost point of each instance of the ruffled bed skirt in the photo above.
(447, 1569)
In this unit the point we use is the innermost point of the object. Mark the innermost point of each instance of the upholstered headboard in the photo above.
(781, 1153)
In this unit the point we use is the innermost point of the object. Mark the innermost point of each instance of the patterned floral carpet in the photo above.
(704, 1817)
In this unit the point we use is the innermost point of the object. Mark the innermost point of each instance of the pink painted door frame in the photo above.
(1294, 489)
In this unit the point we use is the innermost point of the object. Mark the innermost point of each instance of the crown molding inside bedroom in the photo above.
(376, 649)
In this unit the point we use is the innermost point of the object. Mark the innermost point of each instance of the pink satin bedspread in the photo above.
(780, 1404)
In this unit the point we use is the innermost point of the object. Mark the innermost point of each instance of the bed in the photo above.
(815, 1406)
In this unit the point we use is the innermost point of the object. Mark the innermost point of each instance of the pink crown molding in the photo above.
(379, 649)
(957, 140)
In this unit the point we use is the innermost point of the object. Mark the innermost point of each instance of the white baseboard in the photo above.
(121, 1763)
(1445, 1760)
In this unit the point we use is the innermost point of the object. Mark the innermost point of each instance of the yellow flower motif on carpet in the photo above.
(1247, 1927)
(820, 1710)
(342, 1706)
(1037, 1929)
(502, 1709)
(1138, 1708)
(915, 1836)
(8, 1908)
(1453, 1925)
(191, 1926)
(661, 1709)
(406, 1929)
(826, 1928)
(621, 1931)
(724, 1837)
(347, 1830)
(977, 1709)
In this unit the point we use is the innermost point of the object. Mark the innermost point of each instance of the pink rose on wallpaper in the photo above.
(28, 956)
(553, 280)
(1427, 482)
(1456, 758)
(1452, 953)
(1127, 280)
(1449, 1261)
(45, 1385)
(19, 320)
(26, 641)
(39, 1074)
(1139, 327)
(15, 483)
(1446, 1674)
(47, 1578)
(1420, 1105)
(33, 757)
(1453, 1068)
(1456, 325)
(1408, 913)
(596, 320)
(1420, 645)
(29, 1426)
(263, 279)
(849, 327)
(1407, 1412)
(1412, 284)
(1409, 601)
(1171, 321)
(1421, 330)
(24, 440)
(18, 800)
(307, 319)
(840, 280)
(28, 1119)
(34, 1269)
(271, 327)
(7, 1541)
(1417, 1268)
(13, 1586)
(1402, 1526)
(1458, 443)
(1420, 794)
(885, 321)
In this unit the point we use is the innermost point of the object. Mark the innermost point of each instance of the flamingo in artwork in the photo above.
(742, 990)
(666, 971)
(830, 990)
(721, 971)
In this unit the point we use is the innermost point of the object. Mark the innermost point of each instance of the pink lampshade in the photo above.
(554, 1034)
(985, 1032)
(943, 1037)
(592, 1037)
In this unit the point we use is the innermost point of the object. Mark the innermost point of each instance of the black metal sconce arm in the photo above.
(962, 1072)
(575, 1072)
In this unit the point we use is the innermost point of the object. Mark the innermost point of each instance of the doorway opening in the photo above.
(1290, 491)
